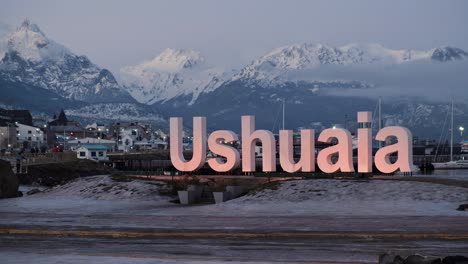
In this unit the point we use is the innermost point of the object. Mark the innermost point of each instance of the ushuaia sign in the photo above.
(343, 149)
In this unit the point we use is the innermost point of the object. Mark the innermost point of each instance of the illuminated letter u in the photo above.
(199, 144)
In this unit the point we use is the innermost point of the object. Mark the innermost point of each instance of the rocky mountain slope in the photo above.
(31, 58)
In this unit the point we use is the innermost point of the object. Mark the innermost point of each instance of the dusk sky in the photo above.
(232, 33)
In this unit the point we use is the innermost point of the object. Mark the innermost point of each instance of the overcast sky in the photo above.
(114, 33)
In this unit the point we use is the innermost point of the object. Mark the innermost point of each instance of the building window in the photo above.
(82, 153)
(29, 132)
(93, 153)
(101, 154)
(29, 138)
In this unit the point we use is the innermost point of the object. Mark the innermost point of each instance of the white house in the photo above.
(92, 152)
(97, 127)
(151, 144)
(33, 135)
(110, 144)
(126, 143)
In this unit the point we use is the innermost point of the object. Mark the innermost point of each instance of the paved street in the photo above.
(146, 238)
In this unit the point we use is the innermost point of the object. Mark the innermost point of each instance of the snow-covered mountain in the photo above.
(42, 75)
(29, 57)
(116, 112)
(280, 64)
(172, 74)
(449, 54)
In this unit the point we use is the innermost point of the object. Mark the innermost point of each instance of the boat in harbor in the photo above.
(452, 164)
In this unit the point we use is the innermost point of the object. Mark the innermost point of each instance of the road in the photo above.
(121, 238)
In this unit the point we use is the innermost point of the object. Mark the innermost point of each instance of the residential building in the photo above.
(92, 152)
(15, 115)
(76, 143)
(34, 136)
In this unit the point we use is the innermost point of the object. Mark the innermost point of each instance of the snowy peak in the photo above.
(276, 63)
(171, 74)
(33, 59)
(449, 54)
(301, 56)
(32, 44)
(28, 26)
(172, 60)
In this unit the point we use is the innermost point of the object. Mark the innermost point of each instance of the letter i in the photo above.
(364, 134)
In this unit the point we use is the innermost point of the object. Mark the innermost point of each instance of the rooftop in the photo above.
(94, 147)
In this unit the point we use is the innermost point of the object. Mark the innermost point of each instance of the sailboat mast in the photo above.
(451, 136)
(283, 112)
(380, 119)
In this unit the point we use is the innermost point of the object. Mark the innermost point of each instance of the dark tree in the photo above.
(62, 118)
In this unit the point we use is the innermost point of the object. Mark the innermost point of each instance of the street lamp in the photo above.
(461, 130)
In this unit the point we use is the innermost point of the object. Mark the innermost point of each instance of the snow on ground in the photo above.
(97, 194)
(103, 195)
(344, 197)
(105, 188)
(20, 258)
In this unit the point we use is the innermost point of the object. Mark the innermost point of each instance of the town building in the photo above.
(29, 136)
(7, 137)
(76, 143)
(15, 115)
(92, 152)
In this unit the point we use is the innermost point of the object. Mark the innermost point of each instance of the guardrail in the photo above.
(39, 158)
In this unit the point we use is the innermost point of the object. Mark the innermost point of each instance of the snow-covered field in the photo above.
(21, 258)
(344, 197)
(97, 194)
(324, 206)
(101, 194)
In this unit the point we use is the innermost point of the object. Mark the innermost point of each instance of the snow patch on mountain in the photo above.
(279, 63)
(31, 58)
(4, 31)
(448, 53)
(171, 74)
(116, 111)
(31, 44)
(170, 60)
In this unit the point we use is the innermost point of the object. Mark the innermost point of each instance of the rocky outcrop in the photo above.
(8, 181)
(418, 259)
(59, 173)
(463, 207)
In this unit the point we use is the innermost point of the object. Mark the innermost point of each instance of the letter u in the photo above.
(199, 144)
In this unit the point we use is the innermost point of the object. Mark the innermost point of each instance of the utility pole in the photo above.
(283, 111)
(380, 119)
(8, 135)
(64, 140)
(451, 135)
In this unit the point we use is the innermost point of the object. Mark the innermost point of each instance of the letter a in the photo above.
(343, 148)
(403, 148)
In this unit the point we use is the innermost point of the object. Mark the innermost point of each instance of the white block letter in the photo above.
(364, 134)
(230, 153)
(249, 139)
(307, 161)
(403, 148)
(199, 144)
(343, 148)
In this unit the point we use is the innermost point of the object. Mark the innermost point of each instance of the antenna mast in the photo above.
(380, 119)
(451, 136)
(283, 111)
